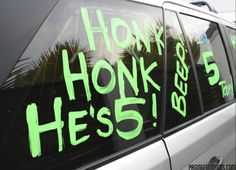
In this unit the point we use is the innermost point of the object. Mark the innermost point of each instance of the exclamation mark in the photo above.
(154, 108)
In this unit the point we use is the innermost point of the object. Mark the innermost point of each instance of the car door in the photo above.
(200, 101)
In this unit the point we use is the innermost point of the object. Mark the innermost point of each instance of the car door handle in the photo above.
(215, 163)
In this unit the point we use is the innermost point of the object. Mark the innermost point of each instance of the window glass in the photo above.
(88, 85)
(231, 33)
(182, 95)
(211, 61)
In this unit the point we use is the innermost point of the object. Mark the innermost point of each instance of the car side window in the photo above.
(210, 60)
(182, 100)
(231, 33)
(89, 85)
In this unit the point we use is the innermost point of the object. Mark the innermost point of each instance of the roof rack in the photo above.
(202, 3)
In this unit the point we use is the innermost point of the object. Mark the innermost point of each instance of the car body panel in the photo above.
(190, 144)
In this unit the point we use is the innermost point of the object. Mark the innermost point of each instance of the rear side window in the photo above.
(182, 101)
(231, 33)
(211, 61)
(89, 85)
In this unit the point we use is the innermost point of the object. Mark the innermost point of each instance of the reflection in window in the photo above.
(211, 61)
(38, 78)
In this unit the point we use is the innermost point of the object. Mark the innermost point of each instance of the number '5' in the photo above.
(211, 67)
(128, 115)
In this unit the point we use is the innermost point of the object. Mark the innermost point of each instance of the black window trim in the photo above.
(162, 129)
